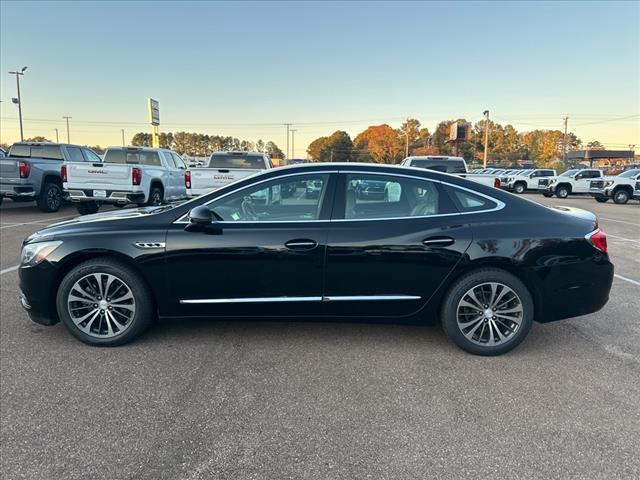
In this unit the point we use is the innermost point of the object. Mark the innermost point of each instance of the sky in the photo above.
(244, 69)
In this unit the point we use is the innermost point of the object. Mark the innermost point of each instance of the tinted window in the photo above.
(547, 173)
(51, 152)
(226, 160)
(629, 173)
(447, 166)
(467, 201)
(91, 156)
(132, 157)
(75, 154)
(380, 196)
(281, 200)
(569, 173)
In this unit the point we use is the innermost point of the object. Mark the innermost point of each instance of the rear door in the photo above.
(181, 189)
(388, 255)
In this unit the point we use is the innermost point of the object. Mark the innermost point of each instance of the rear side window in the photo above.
(75, 154)
(446, 166)
(224, 160)
(178, 161)
(467, 201)
(91, 156)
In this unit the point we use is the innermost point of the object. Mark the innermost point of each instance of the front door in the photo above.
(390, 247)
(264, 256)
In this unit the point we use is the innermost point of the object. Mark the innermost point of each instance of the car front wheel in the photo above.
(621, 197)
(562, 192)
(519, 188)
(487, 312)
(104, 302)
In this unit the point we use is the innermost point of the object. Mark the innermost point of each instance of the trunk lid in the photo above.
(79, 174)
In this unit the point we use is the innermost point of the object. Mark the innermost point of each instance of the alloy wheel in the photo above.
(489, 314)
(101, 305)
(53, 198)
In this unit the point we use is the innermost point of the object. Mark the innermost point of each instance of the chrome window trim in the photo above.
(327, 298)
(499, 204)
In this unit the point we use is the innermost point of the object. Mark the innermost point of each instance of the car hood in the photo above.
(93, 222)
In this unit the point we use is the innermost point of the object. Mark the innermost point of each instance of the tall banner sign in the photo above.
(154, 119)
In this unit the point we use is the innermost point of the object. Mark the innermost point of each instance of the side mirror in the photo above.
(201, 215)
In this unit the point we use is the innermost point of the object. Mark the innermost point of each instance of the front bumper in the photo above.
(38, 293)
(600, 192)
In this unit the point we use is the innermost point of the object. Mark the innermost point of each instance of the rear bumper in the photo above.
(17, 189)
(112, 196)
(573, 290)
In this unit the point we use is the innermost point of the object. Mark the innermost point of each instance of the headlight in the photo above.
(34, 253)
(609, 183)
(509, 180)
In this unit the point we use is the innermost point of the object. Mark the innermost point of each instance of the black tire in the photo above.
(156, 197)
(562, 192)
(621, 197)
(459, 289)
(602, 199)
(119, 205)
(547, 194)
(519, 188)
(87, 208)
(1, 199)
(50, 198)
(144, 302)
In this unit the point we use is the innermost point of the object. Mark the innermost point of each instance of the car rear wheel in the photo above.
(519, 188)
(547, 194)
(50, 198)
(602, 199)
(487, 312)
(621, 197)
(155, 196)
(562, 192)
(87, 208)
(104, 302)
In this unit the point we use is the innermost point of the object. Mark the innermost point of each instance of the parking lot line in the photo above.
(36, 222)
(620, 221)
(623, 238)
(10, 269)
(626, 279)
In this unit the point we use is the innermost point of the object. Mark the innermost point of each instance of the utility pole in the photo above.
(486, 137)
(566, 121)
(406, 149)
(293, 145)
(18, 100)
(122, 130)
(287, 125)
(632, 148)
(57, 140)
(68, 137)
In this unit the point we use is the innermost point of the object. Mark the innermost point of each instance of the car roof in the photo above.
(140, 149)
(49, 144)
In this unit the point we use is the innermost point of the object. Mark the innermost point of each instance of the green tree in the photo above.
(273, 150)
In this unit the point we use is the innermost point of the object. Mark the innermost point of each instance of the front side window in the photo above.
(91, 156)
(388, 196)
(295, 198)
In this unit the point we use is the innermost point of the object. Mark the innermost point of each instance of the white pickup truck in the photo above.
(620, 188)
(139, 175)
(453, 165)
(520, 182)
(225, 168)
(571, 182)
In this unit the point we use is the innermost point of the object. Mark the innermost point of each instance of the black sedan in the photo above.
(483, 262)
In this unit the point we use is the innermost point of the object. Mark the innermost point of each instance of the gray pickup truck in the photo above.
(31, 171)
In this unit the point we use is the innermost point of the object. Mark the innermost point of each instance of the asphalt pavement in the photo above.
(278, 400)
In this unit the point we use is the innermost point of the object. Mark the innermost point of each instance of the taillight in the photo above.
(24, 168)
(496, 182)
(187, 179)
(597, 239)
(63, 173)
(136, 176)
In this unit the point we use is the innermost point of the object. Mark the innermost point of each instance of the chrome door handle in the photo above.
(301, 244)
(438, 241)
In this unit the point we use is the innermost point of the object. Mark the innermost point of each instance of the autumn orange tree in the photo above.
(378, 144)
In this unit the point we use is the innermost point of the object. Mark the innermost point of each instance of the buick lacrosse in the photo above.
(426, 247)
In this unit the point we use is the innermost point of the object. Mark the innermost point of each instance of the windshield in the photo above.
(524, 172)
(629, 173)
(570, 173)
(227, 160)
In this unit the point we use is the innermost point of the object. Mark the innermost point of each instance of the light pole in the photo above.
(67, 119)
(486, 137)
(293, 143)
(564, 146)
(57, 141)
(406, 149)
(17, 73)
(122, 130)
(287, 125)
